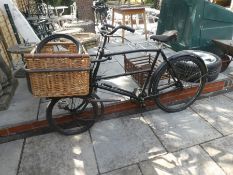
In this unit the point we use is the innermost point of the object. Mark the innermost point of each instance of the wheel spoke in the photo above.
(177, 86)
(71, 115)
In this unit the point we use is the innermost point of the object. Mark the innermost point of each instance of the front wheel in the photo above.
(177, 84)
(71, 115)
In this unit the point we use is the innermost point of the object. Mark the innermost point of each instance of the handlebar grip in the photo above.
(130, 29)
(122, 27)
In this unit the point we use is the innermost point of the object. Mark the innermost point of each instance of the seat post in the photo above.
(160, 45)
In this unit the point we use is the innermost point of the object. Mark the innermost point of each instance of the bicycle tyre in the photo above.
(71, 121)
(183, 92)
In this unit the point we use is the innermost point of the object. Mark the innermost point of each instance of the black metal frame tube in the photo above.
(131, 51)
(100, 59)
(122, 75)
(117, 91)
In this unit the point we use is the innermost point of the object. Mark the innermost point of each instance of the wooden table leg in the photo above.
(123, 31)
(145, 28)
(131, 20)
(113, 16)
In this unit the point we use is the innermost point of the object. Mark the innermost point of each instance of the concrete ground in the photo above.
(196, 141)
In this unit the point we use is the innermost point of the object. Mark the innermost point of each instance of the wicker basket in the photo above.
(59, 48)
(138, 64)
(58, 74)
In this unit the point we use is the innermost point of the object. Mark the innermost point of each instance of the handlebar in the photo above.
(117, 28)
(108, 26)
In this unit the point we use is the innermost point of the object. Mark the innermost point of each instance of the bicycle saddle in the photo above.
(166, 36)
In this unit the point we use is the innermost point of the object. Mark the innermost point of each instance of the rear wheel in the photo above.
(175, 88)
(72, 115)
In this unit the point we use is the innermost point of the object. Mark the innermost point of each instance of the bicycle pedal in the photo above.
(143, 105)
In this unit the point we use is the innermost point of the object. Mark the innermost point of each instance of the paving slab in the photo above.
(126, 83)
(180, 130)
(221, 150)
(114, 46)
(53, 153)
(217, 111)
(229, 95)
(112, 96)
(130, 170)
(110, 68)
(191, 161)
(123, 141)
(114, 68)
(221, 76)
(23, 107)
(229, 70)
(9, 157)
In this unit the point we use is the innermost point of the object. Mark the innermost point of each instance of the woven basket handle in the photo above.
(57, 36)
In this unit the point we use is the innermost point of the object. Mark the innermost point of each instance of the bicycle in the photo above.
(182, 75)
(101, 11)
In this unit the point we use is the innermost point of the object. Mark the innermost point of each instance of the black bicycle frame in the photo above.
(117, 90)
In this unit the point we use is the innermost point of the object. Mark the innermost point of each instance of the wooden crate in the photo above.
(137, 64)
